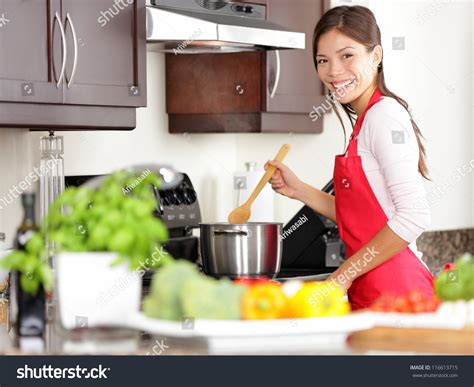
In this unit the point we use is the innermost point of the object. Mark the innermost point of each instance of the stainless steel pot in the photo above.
(235, 250)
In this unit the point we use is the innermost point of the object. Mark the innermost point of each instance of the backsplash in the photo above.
(440, 247)
(15, 165)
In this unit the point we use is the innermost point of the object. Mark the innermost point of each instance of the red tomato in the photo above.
(419, 308)
(449, 266)
(414, 297)
(413, 302)
(432, 304)
(401, 305)
(378, 308)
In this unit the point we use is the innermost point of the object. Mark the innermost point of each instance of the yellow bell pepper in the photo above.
(263, 301)
(318, 299)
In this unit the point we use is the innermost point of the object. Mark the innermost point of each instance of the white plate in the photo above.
(245, 328)
(323, 335)
(418, 320)
(309, 335)
(450, 315)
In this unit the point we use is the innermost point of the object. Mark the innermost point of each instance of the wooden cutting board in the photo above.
(420, 340)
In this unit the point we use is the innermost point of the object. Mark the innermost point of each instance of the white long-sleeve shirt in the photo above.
(389, 153)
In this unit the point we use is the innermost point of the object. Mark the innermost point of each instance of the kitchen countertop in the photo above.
(441, 247)
(119, 341)
(364, 343)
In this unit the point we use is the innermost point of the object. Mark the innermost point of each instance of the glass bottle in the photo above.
(28, 225)
(52, 171)
(4, 312)
(27, 310)
(4, 306)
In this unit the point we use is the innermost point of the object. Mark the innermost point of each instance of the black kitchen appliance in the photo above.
(178, 208)
(311, 243)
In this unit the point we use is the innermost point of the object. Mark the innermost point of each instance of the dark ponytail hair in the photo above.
(359, 23)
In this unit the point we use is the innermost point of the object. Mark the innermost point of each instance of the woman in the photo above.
(378, 180)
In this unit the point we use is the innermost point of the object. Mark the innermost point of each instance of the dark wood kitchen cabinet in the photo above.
(72, 64)
(103, 41)
(214, 83)
(26, 57)
(299, 87)
(241, 92)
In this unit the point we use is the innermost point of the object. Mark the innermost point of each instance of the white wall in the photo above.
(15, 160)
(434, 74)
(439, 52)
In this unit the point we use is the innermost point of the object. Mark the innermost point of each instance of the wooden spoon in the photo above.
(242, 214)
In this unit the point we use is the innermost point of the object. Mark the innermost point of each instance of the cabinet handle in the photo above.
(63, 40)
(74, 38)
(277, 76)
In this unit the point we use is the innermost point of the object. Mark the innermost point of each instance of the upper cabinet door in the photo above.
(294, 87)
(30, 51)
(213, 83)
(106, 52)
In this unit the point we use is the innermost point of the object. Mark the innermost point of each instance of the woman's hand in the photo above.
(284, 181)
(344, 283)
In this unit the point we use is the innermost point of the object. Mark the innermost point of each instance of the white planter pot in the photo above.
(92, 293)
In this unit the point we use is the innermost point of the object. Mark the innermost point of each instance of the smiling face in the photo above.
(345, 66)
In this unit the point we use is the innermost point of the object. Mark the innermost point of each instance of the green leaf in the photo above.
(103, 219)
(119, 260)
(99, 237)
(35, 245)
(156, 229)
(45, 276)
(122, 241)
(29, 283)
(113, 218)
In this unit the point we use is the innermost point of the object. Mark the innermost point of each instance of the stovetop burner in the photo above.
(318, 274)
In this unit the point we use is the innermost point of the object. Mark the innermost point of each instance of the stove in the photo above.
(311, 251)
(311, 244)
(304, 274)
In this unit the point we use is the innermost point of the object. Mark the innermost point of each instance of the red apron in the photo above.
(359, 218)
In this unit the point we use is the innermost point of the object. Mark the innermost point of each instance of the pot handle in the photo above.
(231, 232)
